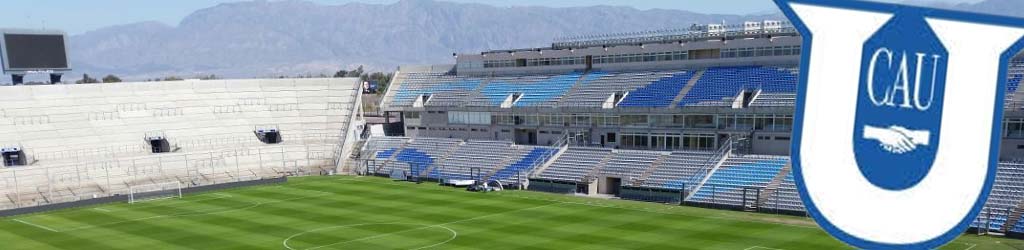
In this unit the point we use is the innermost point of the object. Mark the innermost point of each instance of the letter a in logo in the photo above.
(898, 118)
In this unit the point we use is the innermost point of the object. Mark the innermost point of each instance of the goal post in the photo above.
(155, 191)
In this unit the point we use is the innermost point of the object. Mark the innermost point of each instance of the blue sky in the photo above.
(77, 16)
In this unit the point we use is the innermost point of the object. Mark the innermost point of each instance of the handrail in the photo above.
(557, 146)
(708, 164)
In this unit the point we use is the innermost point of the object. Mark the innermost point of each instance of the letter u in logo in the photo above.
(897, 125)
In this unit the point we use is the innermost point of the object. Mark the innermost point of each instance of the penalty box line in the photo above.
(36, 225)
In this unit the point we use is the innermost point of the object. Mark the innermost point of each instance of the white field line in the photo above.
(452, 231)
(36, 225)
(101, 209)
(593, 204)
(442, 225)
(760, 247)
(972, 245)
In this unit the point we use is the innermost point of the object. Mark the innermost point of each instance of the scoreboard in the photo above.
(31, 51)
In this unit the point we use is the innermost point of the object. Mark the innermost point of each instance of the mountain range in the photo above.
(294, 37)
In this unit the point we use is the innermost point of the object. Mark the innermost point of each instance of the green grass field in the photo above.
(376, 213)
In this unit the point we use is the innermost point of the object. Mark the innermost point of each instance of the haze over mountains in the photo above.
(267, 39)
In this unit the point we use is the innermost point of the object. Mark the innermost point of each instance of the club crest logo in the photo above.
(898, 118)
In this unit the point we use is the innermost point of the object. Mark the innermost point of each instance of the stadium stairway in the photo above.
(550, 161)
(686, 89)
(526, 161)
(353, 159)
(730, 182)
(707, 176)
(506, 162)
(773, 186)
(433, 167)
(575, 88)
(394, 155)
(1014, 217)
(477, 93)
(650, 170)
(597, 169)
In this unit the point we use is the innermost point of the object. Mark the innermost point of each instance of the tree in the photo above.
(209, 77)
(355, 73)
(340, 73)
(111, 78)
(382, 80)
(172, 78)
(86, 80)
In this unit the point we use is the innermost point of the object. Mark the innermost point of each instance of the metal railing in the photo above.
(709, 165)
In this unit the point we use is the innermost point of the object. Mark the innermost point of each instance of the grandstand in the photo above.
(88, 141)
(449, 159)
(685, 117)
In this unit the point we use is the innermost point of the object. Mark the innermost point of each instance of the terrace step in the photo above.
(725, 157)
(575, 88)
(773, 186)
(650, 170)
(550, 161)
(686, 89)
(597, 169)
(441, 160)
(505, 162)
(393, 156)
(1014, 217)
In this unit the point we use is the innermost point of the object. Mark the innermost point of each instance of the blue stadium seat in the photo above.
(722, 82)
(531, 160)
(1014, 83)
(659, 93)
(725, 186)
(535, 91)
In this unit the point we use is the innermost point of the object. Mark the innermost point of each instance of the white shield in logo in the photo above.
(898, 118)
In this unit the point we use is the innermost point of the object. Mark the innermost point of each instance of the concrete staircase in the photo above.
(442, 159)
(550, 161)
(476, 94)
(393, 157)
(505, 162)
(349, 164)
(686, 89)
(1014, 217)
(707, 176)
(650, 170)
(575, 88)
(593, 172)
(773, 186)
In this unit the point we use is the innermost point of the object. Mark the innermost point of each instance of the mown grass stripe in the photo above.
(263, 217)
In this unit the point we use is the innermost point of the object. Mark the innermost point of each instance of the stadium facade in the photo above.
(700, 116)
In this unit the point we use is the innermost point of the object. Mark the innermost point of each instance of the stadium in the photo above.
(670, 139)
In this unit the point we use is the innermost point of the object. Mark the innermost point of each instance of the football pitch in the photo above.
(345, 212)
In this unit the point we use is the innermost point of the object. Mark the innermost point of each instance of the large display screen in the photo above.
(34, 52)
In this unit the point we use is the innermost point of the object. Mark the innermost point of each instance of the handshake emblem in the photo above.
(897, 139)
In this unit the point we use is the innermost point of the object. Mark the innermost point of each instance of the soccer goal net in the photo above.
(156, 191)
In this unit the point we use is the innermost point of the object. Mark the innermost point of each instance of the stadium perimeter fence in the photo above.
(125, 198)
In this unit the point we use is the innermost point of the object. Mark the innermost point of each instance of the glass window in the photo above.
(699, 121)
